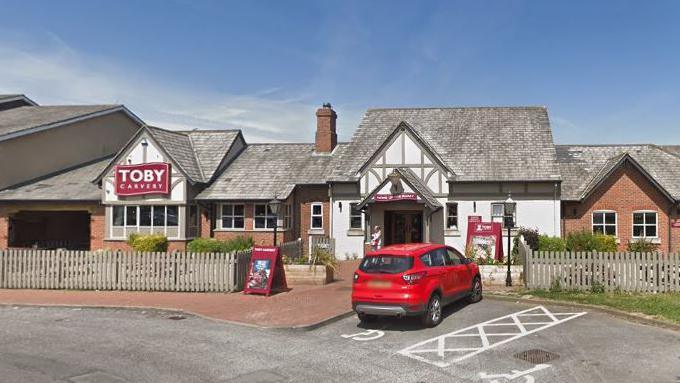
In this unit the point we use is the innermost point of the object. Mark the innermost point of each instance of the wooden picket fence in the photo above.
(132, 271)
(620, 271)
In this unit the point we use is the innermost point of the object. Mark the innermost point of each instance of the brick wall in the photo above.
(4, 228)
(97, 228)
(305, 196)
(262, 237)
(625, 191)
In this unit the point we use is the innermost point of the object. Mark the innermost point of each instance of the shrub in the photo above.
(643, 245)
(212, 245)
(321, 256)
(530, 237)
(587, 241)
(547, 243)
(148, 242)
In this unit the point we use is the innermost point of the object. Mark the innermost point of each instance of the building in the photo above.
(628, 191)
(418, 173)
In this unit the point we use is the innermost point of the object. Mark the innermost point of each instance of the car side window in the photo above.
(456, 258)
(438, 257)
(426, 260)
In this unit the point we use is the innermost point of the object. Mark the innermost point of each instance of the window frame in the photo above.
(352, 216)
(312, 215)
(448, 216)
(502, 217)
(604, 223)
(644, 224)
(134, 227)
(233, 216)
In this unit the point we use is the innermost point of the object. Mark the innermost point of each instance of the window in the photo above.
(172, 214)
(604, 222)
(317, 216)
(498, 213)
(193, 221)
(455, 257)
(145, 216)
(452, 215)
(118, 215)
(131, 216)
(434, 258)
(390, 264)
(354, 216)
(644, 224)
(232, 216)
(264, 218)
(287, 215)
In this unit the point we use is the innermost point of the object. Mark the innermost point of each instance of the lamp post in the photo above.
(509, 206)
(274, 206)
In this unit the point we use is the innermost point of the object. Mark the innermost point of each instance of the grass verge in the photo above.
(665, 306)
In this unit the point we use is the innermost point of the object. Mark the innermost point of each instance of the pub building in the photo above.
(420, 174)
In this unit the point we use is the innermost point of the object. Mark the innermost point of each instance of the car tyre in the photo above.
(476, 292)
(433, 314)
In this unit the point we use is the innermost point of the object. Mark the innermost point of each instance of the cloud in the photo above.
(58, 74)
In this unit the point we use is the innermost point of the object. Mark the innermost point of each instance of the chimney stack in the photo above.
(326, 137)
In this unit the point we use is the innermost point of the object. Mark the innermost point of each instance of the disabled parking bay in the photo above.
(499, 341)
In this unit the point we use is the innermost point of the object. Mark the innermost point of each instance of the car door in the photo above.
(448, 277)
(437, 269)
(461, 271)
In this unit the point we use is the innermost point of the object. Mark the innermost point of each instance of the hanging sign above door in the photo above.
(150, 178)
(396, 197)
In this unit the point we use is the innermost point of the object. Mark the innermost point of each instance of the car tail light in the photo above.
(413, 278)
(356, 277)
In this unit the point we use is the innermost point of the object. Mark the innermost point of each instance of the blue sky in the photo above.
(608, 71)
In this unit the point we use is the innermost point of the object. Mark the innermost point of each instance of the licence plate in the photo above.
(379, 284)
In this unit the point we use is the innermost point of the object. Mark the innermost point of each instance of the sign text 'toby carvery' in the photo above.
(151, 178)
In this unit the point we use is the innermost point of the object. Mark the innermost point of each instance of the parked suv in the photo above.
(413, 279)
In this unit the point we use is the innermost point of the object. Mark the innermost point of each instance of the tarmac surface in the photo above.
(475, 343)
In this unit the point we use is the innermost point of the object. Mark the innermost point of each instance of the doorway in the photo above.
(403, 227)
(50, 230)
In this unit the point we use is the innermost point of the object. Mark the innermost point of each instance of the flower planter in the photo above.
(308, 275)
(496, 274)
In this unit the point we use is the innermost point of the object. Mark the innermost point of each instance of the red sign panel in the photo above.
(396, 197)
(675, 222)
(266, 271)
(151, 178)
(485, 238)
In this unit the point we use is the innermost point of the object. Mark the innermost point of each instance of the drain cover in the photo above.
(177, 317)
(536, 356)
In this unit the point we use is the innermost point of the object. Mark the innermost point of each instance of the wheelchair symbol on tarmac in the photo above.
(365, 335)
(515, 374)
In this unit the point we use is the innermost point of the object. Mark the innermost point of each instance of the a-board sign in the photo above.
(266, 273)
(485, 238)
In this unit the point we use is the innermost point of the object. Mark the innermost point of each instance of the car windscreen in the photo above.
(388, 264)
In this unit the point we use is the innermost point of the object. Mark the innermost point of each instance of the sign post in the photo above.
(266, 273)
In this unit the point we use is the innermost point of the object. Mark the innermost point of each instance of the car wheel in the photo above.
(433, 314)
(366, 317)
(476, 292)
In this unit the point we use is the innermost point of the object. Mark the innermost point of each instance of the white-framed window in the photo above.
(287, 216)
(498, 213)
(354, 216)
(263, 216)
(129, 219)
(452, 215)
(604, 222)
(645, 224)
(232, 216)
(317, 216)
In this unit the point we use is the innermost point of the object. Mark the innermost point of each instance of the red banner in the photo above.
(396, 197)
(266, 271)
(151, 178)
(485, 238)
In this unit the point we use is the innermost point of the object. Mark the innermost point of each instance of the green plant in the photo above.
(323, 257)
(212, 245)
(239, 243)
(642, 245)
(596, 287)
(586, 241)
(547, 243)
(148, 242)
(556, 286)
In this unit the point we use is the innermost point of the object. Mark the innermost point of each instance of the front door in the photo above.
(403, 227)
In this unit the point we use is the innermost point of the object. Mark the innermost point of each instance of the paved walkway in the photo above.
(301, 306)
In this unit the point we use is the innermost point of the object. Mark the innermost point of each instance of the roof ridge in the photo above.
(193, 151)
(461, 107)
(603, 145)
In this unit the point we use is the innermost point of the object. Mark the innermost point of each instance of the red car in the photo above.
(413, 279)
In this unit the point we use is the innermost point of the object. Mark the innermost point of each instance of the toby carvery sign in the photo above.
(151, 178)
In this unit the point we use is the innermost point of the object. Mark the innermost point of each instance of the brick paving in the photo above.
(301, 306)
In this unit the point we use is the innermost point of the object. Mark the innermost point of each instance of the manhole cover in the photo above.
(177, 317)
(536, 356)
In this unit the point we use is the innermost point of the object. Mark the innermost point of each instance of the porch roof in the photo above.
(412, 180)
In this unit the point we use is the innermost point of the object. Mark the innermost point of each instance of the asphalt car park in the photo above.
(117, 345)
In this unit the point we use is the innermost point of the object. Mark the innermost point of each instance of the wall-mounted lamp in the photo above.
(145, 142)
(340, 206)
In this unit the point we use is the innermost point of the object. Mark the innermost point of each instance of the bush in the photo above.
(321, 256)
(148, 242)
(212, 245)
(547, 243)
(587, 241)
(643, 245)
(530, 238)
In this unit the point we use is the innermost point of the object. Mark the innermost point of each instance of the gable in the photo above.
(404, 149)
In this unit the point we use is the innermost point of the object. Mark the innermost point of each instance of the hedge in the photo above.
(587, 241)
(148, 242)
(212, 245)
(547, 243)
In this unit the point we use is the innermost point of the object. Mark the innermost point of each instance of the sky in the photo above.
(608, 71)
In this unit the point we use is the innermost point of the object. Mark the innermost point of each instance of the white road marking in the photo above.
(439, 346)
(365, 335)
(515, 374)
